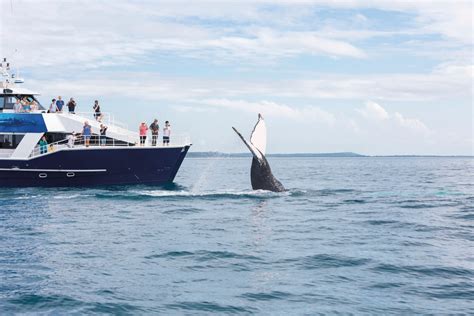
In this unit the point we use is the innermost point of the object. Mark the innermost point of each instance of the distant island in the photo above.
(216, 154)
(208, 154)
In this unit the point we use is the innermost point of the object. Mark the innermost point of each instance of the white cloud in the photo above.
(447, 82)
(270, 108)
(374, 111)
(411, 123)
(451, 19)
(360, 18)
(270, 44)
(97, 34)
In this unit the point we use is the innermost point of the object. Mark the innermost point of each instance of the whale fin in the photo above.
(254, 150)
(258, 137)
(261, 175)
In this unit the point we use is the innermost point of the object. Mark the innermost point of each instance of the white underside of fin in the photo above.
(258, 138)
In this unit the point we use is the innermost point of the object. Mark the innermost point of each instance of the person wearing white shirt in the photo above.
(71, 139)
(18, 107)
(166, 133)
(52, 106)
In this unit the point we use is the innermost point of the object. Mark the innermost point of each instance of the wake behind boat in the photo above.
(65, 160)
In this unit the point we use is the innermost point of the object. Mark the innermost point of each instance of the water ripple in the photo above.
(204, 255)
(321, 261)
(267, 296)
(205, 306)
(444, 272)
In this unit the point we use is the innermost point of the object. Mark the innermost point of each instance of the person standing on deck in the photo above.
(59, 105)
(71, 106)
(97, 112)
(43, 145)
(143, 129)
(103, 134)
(155, 128)
(86, 133)
(166, 133)
(52, 106)
(71, 139)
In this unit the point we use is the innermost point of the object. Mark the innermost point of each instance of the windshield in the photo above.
(7, 102)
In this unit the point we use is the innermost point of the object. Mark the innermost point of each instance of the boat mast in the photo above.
(4, 72)
(8, 78)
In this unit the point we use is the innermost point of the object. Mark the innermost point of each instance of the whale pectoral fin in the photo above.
(258, 137)
(255, 152)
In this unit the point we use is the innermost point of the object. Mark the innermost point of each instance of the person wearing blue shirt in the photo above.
(59, 104)
(86, 133)
(26, 105)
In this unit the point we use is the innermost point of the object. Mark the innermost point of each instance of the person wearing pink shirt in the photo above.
(143, 130)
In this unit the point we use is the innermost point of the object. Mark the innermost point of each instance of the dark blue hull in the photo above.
(95, 166)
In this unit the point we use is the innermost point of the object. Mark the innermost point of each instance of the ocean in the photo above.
(351, 235)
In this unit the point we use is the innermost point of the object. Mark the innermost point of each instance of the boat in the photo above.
(115, 159)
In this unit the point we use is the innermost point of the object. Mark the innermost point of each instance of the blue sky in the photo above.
(374, 77)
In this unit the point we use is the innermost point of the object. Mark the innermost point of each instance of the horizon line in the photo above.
(340, 154)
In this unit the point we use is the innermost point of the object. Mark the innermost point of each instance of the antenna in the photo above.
(16, 77)
(4, 67)
(5, 73)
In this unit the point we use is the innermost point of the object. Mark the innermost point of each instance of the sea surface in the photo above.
(351, 235)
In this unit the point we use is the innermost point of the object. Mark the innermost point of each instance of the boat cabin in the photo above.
(19, 100)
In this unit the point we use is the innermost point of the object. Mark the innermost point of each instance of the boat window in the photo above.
(10, 141)
(9, 102)
(29, 98)
(40, 106)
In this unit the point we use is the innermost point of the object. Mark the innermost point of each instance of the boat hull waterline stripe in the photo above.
(53, 170)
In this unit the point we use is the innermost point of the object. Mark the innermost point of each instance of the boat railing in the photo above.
(97, 141)
(106, 118)
(44, 149)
